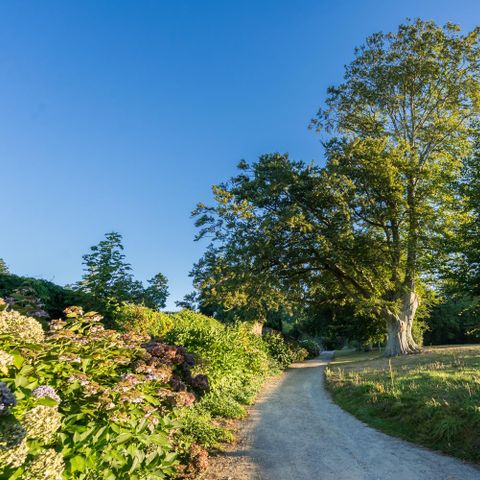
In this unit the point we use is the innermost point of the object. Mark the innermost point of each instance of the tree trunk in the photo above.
(399, 328)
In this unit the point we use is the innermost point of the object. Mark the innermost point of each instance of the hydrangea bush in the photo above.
(79, 401)
(84, 402)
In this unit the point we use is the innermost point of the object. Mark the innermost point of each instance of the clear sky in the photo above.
(120, 115)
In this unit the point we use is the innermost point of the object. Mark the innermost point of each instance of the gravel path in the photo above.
(295, 432)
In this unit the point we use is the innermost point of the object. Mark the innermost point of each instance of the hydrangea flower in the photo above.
(45, 391)
(201, 382)
(42, 422)
(48, 465)
(13, 444)
(5, 361)
(7, 399)
(184, 399)
(25, 328)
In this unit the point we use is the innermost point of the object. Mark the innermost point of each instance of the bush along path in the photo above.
(80, 401)
(295, 431)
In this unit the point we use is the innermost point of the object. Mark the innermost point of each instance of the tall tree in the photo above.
(3, 266)
(107, 273)
(363, 227)
(156, 294)
(463, 268)
(108, 277)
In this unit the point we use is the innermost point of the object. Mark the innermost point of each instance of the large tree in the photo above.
(364, 227)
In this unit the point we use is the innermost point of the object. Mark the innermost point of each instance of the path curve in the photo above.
(296, 432)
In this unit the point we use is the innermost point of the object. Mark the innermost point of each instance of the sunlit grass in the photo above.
(432, 399)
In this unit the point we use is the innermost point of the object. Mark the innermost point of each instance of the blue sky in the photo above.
(120, 115)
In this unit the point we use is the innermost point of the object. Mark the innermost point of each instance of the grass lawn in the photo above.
(432, 399)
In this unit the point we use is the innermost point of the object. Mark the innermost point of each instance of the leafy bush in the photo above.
(284, 353)
(86, 402)
(236, 363)
(280, 351)
(312, 347)
(299, 354)
(141, 319)
(53, 298)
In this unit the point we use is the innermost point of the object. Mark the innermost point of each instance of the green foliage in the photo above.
(112, 402)
(236, 362)
(311, 346)
(107, 274)
(51, 297)
(198, 425)
(454, 320)
(284, 352)
(430, 399)
(141, 319)
(419, 328)
(26, 301)
(155, 295)
(362, 229)
(279, 349)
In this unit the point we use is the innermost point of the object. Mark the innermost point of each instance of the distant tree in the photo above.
(189, 301)
(107, 275)
(3, 266)
(463, 267)
(156, 294)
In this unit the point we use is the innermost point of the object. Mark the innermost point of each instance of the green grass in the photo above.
(432, 399)
(348, 356)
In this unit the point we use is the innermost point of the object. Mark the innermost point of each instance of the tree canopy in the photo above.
(363, 228)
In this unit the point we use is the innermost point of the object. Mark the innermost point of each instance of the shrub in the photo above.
(140, 319)
(87, 402)
(51, 297)
(236, 363)
(312, 347)
(280, 351)
(298, 353)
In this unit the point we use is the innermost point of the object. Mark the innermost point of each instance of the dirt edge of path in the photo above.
(233, 461)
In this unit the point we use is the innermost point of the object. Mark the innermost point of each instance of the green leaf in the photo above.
(77, 463)
(123, 437)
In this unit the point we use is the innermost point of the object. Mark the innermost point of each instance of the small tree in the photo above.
(189, 302)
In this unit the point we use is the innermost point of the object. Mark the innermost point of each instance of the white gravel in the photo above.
(295, 432)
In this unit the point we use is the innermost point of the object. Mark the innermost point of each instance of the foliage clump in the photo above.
(86, 402)
(282, 352)
(141, 319)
